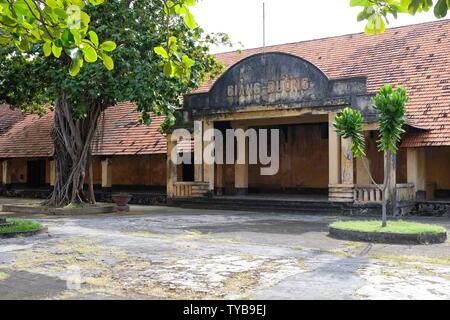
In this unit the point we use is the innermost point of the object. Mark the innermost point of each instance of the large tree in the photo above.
(154, 54)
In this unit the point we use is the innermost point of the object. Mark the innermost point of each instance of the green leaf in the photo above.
(47, 48)
(56, 50)
(94, 38)
(75, 67)
(189, 20)
(108, 62)
(108, 46)
(440, 9)
(188, 62)
(169, 68)
(357, 3)
(96, 2)
(90, 54)
(161, 52)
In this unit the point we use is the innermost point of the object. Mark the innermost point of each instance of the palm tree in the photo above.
(391, 108)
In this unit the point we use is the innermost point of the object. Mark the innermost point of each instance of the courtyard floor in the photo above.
(172, 253)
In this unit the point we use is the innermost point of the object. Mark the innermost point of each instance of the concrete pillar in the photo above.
(52, 173)
(334, 152)
(208, 164)
(346, 162)
(416, 171)
(198, 151)
(6, 172)
(241, 169)
(172, 173)
(107, 173)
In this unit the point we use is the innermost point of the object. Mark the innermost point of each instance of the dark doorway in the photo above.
(36, 173)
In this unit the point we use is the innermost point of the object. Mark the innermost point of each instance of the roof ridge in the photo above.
(388, 30)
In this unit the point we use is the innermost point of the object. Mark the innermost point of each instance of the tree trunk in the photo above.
(393, 188)
(387, 173)
(91, 182)
(72, 142)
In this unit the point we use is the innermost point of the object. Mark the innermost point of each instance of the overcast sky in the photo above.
(286, 20)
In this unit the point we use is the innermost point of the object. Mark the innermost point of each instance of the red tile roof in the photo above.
(8, 117)
(28, 135)
(119, 133)
(416, 56)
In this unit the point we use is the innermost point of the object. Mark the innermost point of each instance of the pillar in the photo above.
(107, 173)
(241, 169)
(416, 171)
(198, 151)
(346, 162)
(6, 172)
(52, 173)
(334, 152)
(171, 165)
(208, 164)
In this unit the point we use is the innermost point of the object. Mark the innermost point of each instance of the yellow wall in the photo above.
(303, 161)
(148, 170)
(376, 159)
(18, 171)
(438, 167)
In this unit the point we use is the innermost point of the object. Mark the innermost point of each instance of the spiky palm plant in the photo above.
(391, 107)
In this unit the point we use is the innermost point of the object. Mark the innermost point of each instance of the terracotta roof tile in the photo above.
(118, 133)
(28, 136)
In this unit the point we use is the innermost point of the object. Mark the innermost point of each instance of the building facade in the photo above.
(296, 88)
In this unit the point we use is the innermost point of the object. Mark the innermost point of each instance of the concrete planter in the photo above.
(121, 202)
(387, 237)
(29, 209)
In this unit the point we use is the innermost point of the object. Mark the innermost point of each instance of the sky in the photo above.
(286, 20)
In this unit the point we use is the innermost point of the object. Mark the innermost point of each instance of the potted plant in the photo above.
(121, 200)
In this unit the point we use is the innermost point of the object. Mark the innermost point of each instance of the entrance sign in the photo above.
(278, 80)
(270, 78)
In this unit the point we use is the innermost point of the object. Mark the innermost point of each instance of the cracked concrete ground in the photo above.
(172, 253)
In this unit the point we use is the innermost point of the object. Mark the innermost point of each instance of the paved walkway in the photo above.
(160, 253)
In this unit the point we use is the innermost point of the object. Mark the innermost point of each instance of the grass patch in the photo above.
(21, 226)
(400, 227)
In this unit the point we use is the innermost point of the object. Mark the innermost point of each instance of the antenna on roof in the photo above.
(264, 26)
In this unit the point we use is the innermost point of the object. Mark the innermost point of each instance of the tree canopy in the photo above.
(33, 81)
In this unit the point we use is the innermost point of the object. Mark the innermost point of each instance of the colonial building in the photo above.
(297, 88)
(127, 156)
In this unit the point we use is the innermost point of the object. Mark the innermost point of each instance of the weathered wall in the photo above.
(303, 160)
(376, 159)
(18, 170)
(438, 167)
(148, 170)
